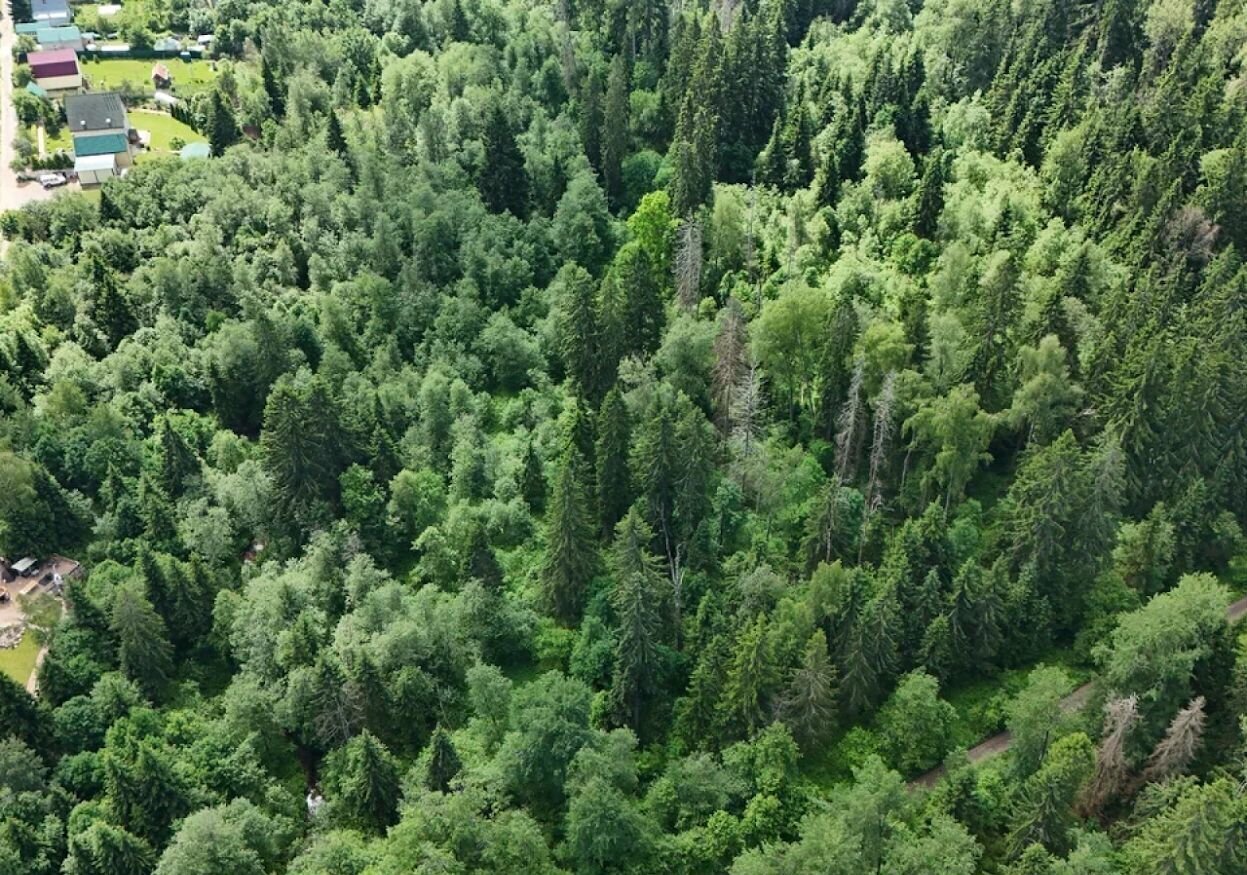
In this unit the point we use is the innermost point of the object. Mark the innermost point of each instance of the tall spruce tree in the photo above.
(502, 180)
(570, 546)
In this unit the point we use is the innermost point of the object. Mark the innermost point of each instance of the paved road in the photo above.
(1075, 701)
(12, 193)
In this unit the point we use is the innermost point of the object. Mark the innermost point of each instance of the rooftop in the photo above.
(51, 56)
(94, 112)
(95, 162)
(42, 10)
(104, 144)
(64, 33)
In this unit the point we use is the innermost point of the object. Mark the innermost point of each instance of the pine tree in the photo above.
(502, 180)
(444, 763)
(142, 643)
(570, 548)
(614, 479)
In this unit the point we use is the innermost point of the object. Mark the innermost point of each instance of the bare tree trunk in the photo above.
(848, 425)
(688, 263)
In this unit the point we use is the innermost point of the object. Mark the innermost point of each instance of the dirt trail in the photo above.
(1075, 701)
(32, 682)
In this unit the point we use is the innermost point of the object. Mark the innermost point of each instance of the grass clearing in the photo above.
(164, 129)
(134, 75)
(19, 661)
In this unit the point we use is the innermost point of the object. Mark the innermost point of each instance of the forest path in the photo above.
(1075, 701)
(32, 683)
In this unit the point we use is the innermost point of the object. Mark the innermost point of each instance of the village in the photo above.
(93, 94)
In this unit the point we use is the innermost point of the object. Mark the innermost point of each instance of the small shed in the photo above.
(195, 150)
(168, 44)
(95, 169)
(28, 28)
(32, 88)
(25, 566)
(204, 39)
(161, 77)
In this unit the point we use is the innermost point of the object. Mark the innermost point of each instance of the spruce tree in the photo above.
(275, 90)
(363, 782)
(443, 764)
(808, 705)
(142, 643)
(334, 138)
(751, 677)
(222, 127)
(614, 478)
(177, 460)
(502, 180)
(614, 140)
(636, 599)
(570, 548)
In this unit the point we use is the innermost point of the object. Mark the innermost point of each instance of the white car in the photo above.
(52, 180)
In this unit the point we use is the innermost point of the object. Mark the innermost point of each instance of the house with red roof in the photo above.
(56, 69)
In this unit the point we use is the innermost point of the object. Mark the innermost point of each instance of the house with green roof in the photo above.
(100, 130)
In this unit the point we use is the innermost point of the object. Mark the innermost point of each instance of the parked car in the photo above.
(52, 180)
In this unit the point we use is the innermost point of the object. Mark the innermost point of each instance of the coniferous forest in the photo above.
(626, 436)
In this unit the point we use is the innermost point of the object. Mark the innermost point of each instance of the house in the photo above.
(100, 128)
(56, 70)
(168, 44)
(161, 77)
(68, 37)
(51, 13)
(195, 150)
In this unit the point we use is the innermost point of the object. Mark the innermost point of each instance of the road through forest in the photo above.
(1000, 743)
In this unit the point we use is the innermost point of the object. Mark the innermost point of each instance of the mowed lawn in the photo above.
(164, 129)
(19, 661)
(111, 74)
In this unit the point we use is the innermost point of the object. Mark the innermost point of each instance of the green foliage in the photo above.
(589, 436)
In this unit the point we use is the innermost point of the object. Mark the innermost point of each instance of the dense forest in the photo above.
(608, 436)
